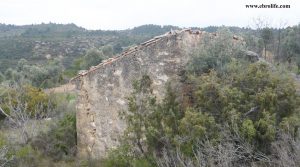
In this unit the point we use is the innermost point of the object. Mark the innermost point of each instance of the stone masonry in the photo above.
(103, 88)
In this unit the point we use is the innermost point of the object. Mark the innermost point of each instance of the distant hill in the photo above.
(39, 42)
(67, 41)
(39, 30)
(151, 29)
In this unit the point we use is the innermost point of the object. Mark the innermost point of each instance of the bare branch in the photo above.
(6, 115)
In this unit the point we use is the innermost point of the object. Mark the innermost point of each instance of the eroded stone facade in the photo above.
(104, 88)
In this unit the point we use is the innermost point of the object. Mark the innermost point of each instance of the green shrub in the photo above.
(248, 130)
(124, 157)
(214, 53)
(60, 142)
(194, 127)
(28, 99)
(2, 77)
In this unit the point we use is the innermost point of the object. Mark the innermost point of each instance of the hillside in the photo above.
(37, 43)
(74, 48)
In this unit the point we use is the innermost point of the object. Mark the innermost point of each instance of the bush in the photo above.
(259, 97)
(60, 142)
(215, 53)
(4, 152)
(26, 100)
(2, 78)
(123, 157)
(42, 76)
(251, 103)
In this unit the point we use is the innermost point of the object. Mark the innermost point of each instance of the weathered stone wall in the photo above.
(104, 88)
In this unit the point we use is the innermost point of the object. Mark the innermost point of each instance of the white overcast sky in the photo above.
(123, 14)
